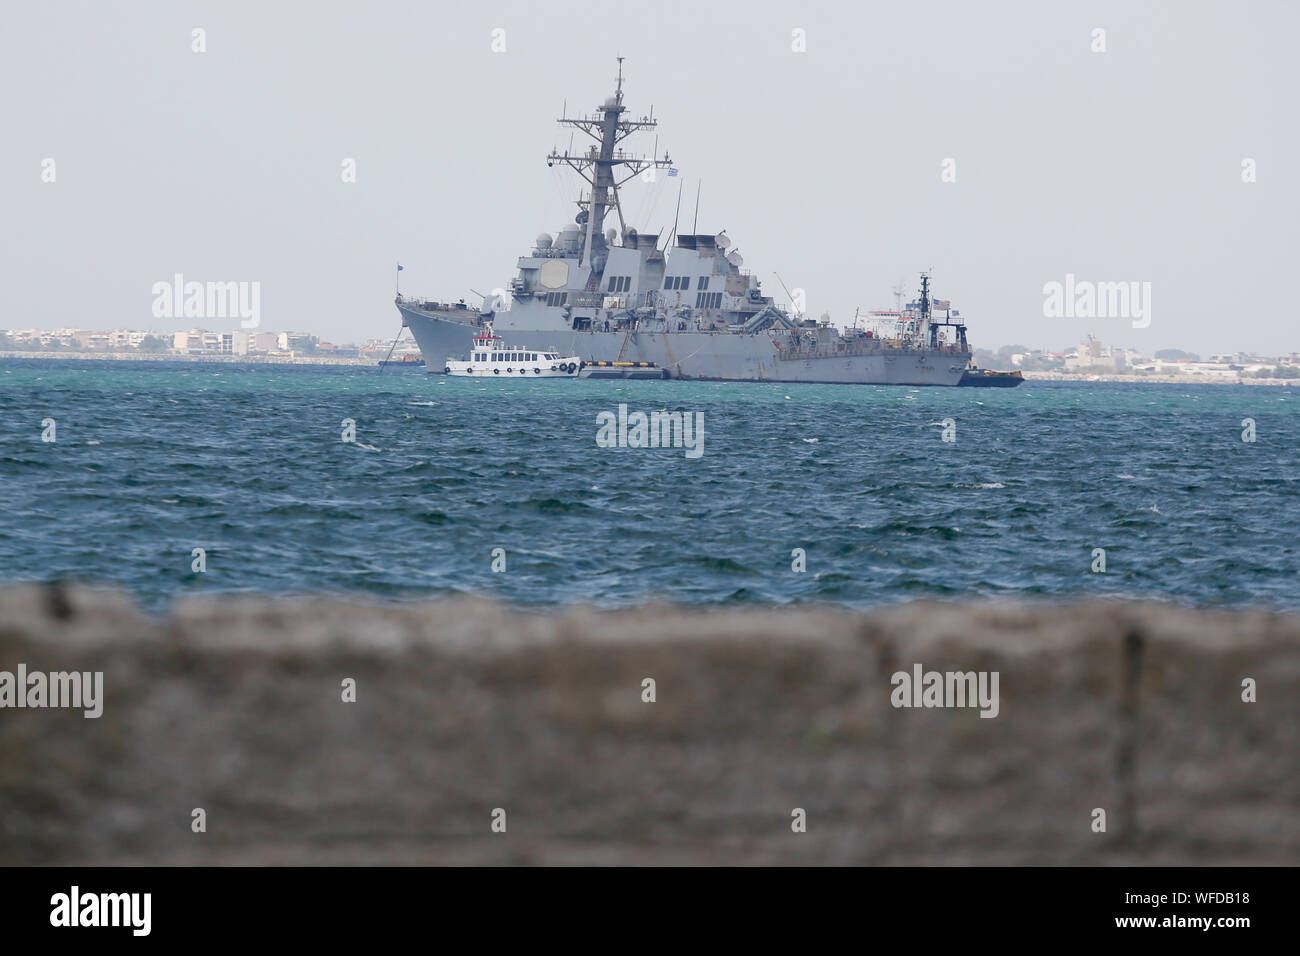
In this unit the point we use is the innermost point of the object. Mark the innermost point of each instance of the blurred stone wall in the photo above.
(234, 705)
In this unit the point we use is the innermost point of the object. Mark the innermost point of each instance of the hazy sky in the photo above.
(824, 166)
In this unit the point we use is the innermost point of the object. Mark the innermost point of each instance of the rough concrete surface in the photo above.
(234, 705)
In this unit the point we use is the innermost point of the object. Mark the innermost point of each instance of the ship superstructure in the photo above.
(685, 304)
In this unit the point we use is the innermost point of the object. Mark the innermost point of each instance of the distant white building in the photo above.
(254, 343)
(288, 341)
(1092, 354)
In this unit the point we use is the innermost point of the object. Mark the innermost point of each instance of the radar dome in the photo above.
(736, 259)
(544, 241)
(723, 240)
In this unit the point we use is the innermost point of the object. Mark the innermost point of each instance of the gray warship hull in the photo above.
(727, 356)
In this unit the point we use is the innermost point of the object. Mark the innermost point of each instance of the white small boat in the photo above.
(490, 357)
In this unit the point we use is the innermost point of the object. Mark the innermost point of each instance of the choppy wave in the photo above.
(503, 491)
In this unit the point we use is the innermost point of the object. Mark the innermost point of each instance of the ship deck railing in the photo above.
(858, 349)
(428, 305)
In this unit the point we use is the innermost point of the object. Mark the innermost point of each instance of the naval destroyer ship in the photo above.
(685, 305)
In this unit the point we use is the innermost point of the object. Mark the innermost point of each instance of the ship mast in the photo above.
(597, 165)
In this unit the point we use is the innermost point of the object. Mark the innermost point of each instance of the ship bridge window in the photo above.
(708, 300)
(703, 283)
(620, 283)
(557, 298)
(673, 283)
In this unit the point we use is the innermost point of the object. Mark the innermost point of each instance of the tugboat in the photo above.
(987, 378)
(490, 357)
(406, 361)
(621, 370)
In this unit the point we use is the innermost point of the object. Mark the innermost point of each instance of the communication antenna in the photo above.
(787, 293)
(676, 216)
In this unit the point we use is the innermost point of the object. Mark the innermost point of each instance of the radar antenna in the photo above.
(597, 166)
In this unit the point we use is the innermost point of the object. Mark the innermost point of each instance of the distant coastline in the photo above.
(209, 358)
(1190, 379)
(371, 362)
